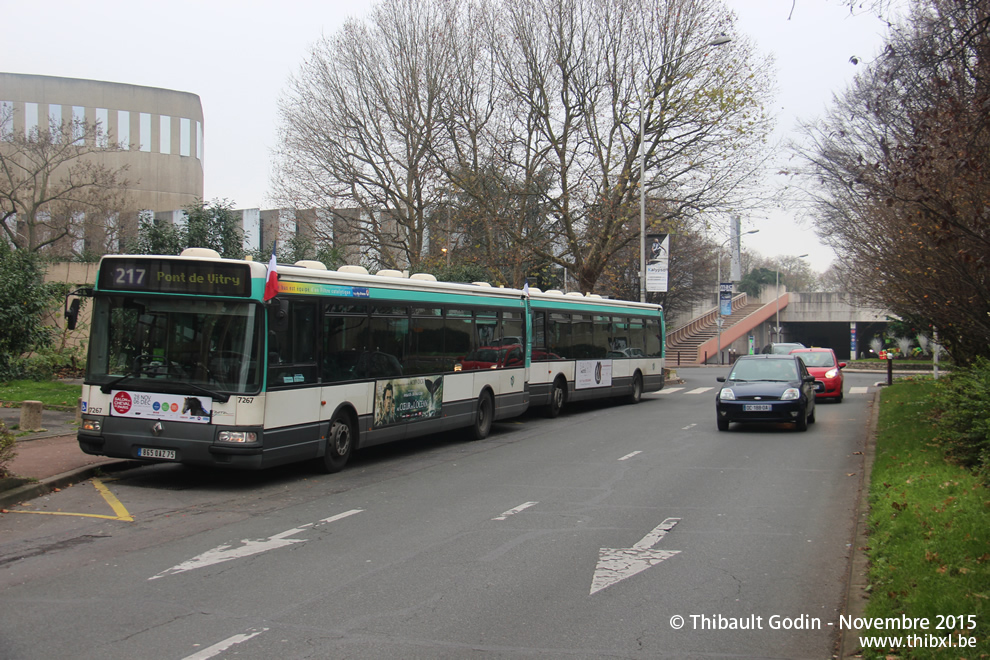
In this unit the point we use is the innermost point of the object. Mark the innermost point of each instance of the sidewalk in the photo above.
(48, 459)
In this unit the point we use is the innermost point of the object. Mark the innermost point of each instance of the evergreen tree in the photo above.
(25, 298)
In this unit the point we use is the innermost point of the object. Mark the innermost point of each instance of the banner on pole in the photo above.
(657, 262)
(725, 298)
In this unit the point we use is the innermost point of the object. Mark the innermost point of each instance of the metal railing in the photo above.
(703, 321)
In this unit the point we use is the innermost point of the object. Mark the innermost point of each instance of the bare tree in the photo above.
(511, 128)
(899, 171)
(55, 187)
(358, 127)
(583, 72)
(497, 208)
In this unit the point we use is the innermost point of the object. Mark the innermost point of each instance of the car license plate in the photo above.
(757, 407)
(147, 452)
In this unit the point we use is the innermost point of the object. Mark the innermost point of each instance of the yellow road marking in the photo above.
(118, 508)
(111, 499)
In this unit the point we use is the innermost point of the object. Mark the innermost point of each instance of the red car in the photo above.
(826, 369)
(491, 357)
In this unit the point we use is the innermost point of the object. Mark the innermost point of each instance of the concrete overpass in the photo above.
(837, 320)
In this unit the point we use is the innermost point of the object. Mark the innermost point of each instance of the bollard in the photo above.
(30, 416)
(79, 411)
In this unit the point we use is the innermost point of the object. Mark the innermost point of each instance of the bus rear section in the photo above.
(586, 348)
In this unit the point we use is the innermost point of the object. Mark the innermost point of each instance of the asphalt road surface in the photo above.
(613, 531)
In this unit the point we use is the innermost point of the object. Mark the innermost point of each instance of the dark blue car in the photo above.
(766, 388)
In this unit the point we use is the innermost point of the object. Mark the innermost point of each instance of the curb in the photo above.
(34, 489)
(857, 579)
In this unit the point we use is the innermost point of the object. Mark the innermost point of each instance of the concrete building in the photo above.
(160, 130)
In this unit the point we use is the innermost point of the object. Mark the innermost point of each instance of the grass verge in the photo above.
(53, 394)
(929, 544)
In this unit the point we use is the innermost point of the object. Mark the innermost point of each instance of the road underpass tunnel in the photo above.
(836, 335)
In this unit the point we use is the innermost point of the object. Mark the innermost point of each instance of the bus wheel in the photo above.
(483, 416)
(340, 442)
(558, 395)
(637, 390)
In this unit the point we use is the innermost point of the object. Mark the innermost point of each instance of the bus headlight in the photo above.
(237, 437)
(93, 425)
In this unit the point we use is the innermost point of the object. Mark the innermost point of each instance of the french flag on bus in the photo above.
(271, 282)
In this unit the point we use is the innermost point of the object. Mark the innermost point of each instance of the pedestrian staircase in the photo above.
(697, 342)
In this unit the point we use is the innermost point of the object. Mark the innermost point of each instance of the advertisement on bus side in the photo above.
(407, 399)
(592, 373)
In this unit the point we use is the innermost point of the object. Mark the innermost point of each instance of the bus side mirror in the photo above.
(72, 314)
(72, 308)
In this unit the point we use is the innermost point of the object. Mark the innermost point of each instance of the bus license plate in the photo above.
(757, 407)
(147, 452)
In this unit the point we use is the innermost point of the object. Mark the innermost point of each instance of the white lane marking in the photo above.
(700, 390)
(669, 390)
(227, 552)
(510, 512)
(615, 565)
(858, 390)
(220, 647)
(628, 456)
(689, 426)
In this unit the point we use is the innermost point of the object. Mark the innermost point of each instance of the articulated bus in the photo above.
(188, 363)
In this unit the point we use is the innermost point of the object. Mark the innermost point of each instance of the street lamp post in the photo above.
(719, 41)
(718, 291)
(776, 329)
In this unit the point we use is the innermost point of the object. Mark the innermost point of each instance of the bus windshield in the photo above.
(176, 345)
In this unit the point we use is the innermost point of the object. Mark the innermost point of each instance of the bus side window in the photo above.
(387, 350)
(653, 337)
(559, 335)
(487, 329)
(292, 350)
(345, 342)
(637, 336)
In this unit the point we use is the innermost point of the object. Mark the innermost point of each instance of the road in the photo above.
(614, 531)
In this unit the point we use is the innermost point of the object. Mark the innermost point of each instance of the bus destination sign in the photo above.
(154, 275)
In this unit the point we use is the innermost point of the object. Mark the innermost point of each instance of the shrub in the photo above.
(962, 414)
(25, 298)
(8, 449)
(48, 363)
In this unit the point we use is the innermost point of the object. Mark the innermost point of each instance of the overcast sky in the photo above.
(236, 57)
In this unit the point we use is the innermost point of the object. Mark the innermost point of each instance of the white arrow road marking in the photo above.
(521, 507)
(615, 565)
(249, 547)
(220, 647)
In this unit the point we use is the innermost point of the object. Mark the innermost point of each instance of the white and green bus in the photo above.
(189, 363)
(588, 347)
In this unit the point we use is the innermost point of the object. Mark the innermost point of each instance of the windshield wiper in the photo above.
(106, 387)
(219, 396)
